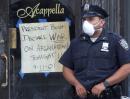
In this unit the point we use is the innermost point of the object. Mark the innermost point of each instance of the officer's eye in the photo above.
(89, 19)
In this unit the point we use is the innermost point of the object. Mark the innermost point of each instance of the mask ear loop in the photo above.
(97, 23)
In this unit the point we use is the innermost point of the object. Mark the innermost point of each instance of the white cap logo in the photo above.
(86, 7)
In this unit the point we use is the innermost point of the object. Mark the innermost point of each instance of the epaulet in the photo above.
(75, 39)
(115, 35)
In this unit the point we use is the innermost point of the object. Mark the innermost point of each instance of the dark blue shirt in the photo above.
(93, 62)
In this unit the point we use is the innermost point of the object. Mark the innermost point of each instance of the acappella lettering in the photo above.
(34, 11)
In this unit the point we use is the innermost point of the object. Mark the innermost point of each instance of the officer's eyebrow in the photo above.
(88, 18)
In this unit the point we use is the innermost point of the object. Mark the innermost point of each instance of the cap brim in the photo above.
(85, 15)
(88, 15)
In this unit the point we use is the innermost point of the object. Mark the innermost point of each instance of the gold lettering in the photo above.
(62, 10)
(33, 12)
(53, 11)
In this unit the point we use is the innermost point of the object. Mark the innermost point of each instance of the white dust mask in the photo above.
(88, 28)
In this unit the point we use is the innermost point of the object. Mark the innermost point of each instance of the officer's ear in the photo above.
(103, 22)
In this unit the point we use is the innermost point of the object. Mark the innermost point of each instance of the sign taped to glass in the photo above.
(42, 44)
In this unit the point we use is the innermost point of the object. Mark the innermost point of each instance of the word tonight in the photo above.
(34, 11)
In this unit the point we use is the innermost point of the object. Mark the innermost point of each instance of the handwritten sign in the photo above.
(42, 44)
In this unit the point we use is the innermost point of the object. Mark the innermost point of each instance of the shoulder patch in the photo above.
(124, 44)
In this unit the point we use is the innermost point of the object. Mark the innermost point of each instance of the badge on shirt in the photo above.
(124, 44)
(105, 47)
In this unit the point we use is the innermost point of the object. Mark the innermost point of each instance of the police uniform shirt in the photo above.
(93, 62)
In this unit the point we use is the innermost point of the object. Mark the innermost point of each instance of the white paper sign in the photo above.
(42, 44)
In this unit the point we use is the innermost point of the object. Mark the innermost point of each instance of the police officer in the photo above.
(97, 60)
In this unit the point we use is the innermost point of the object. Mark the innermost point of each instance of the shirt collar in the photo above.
(84, 37)
(103, 36)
